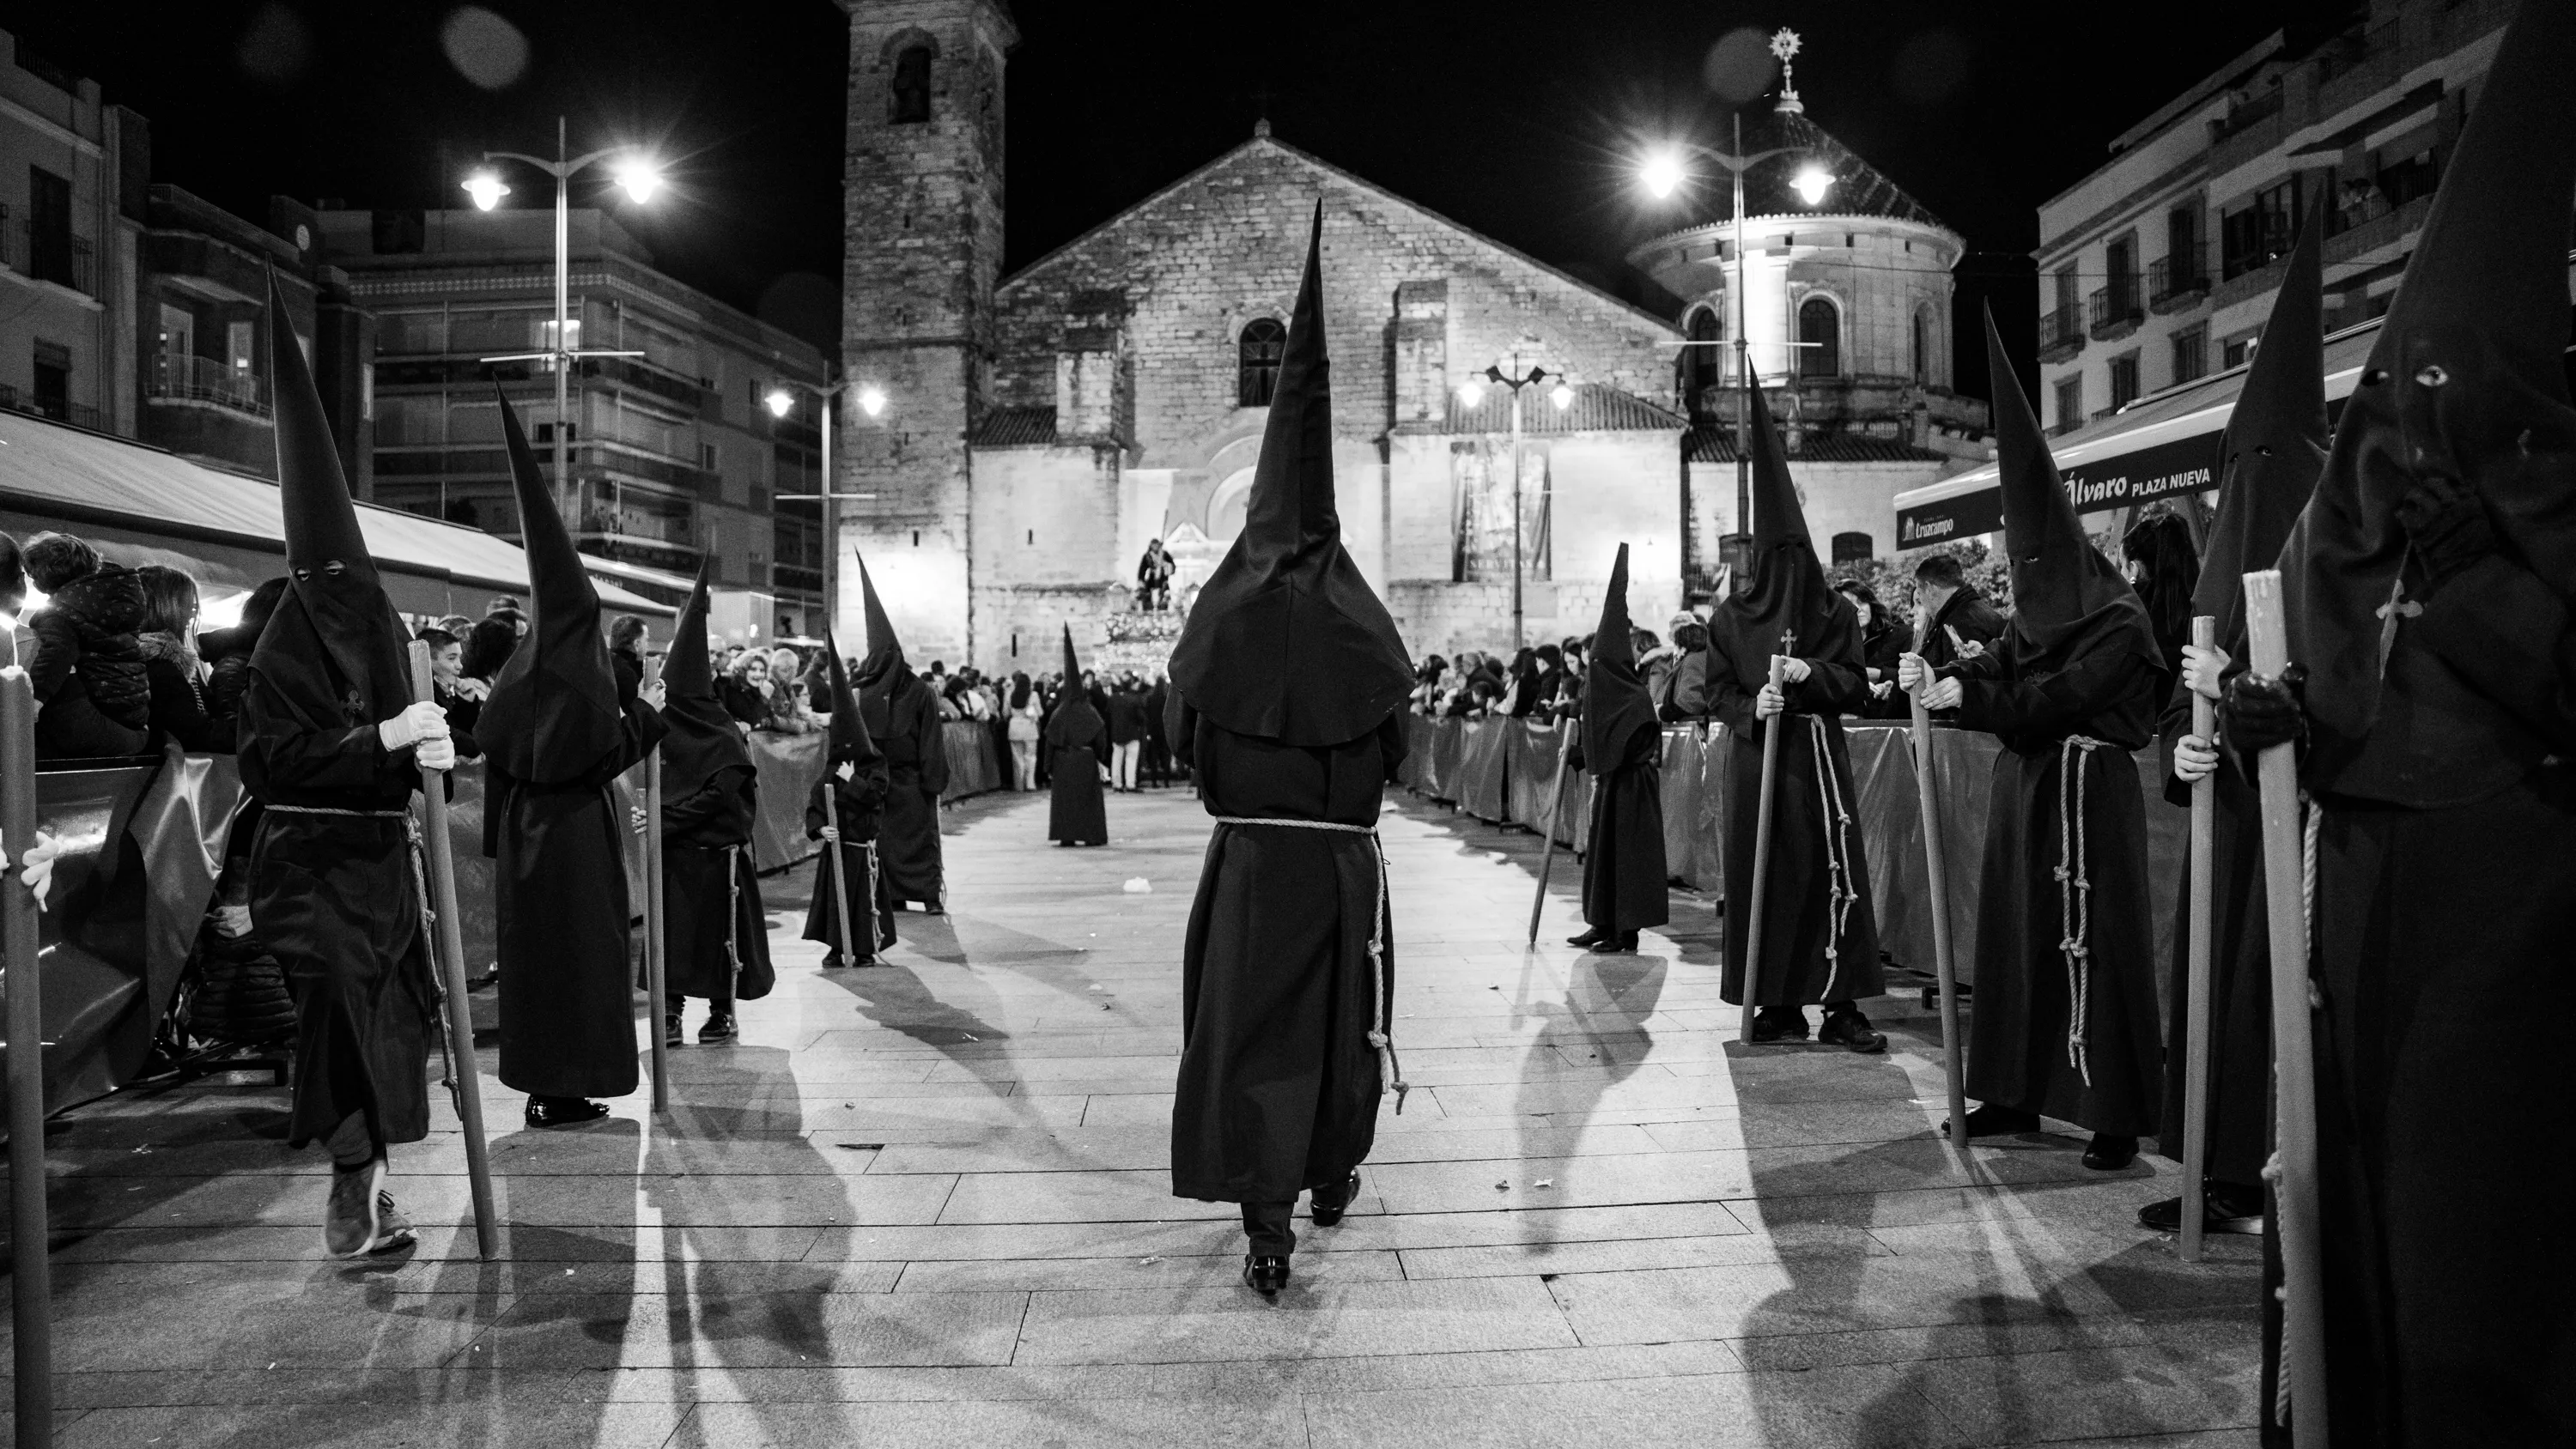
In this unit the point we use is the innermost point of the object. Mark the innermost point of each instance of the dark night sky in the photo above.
(1519, 119)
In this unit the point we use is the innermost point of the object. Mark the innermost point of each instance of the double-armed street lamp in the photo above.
(1472, 393)
(639, 177)
(871, 399)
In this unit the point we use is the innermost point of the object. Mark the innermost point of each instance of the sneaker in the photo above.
(719, 1028)
(360, 1219)
(1851, 1030)
(1779, 1023)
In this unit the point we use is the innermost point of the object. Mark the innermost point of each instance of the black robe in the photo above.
(1279, 1086)
(1076, 813)
(2020, 1049)
(870, 894)
(903, 718)
(337, 900)
(1815, 948)
(1626, 881)
(715, 934)
(564, 927)
(2240, 976)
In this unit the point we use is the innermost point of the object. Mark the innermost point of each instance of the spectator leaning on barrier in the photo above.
(168, 642)
(17, 641)
(460, 697)
(744, 690)
(1881, 641)
(88, 674)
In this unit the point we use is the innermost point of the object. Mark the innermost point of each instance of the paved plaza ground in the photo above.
(927, 1204)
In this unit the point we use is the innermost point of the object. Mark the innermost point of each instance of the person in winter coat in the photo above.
(88, 673)
(168, 642)
(1881, 641)
(17, 641)
(227, 654)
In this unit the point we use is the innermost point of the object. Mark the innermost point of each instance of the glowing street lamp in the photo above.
(872, 400)
(1663, 173)
(1472, 393)
(1811, 184)
(781, 399)
(639, 178)
(486, 189)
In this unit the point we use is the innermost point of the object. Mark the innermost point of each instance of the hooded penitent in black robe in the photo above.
(903, 718)
(2070, 691)
(2268, 465)
(1819, 936)
(716, 937)
(336, 897)
(1077, 750)
(1625, 880)
(561, 723)
(2442, 751)
(1287, 687)
(856, 808)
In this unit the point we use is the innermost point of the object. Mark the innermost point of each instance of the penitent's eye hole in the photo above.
(304, 576)
(2374, 377)
(2433, 374)
(2263, 448)
(335, 568)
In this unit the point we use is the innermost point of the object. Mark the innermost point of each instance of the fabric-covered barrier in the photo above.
(1530, 754)
(1484, 764)
(974, 761)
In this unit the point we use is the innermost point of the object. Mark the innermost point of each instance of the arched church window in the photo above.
(1819, 330)
(1702, 360)
(1257, 357)
(1923, 349)
(912, 85)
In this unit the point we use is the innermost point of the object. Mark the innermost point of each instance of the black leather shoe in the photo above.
(1851, 1030)
(1627, 942)
(1264, 1274)
(1589, 940)
(1326, 1216)
(2110, 1153)
(563, 1111)
(671, 1033)
(719, 1028)
(1991, 1120)
(2224, 1208)
(1779, 1023)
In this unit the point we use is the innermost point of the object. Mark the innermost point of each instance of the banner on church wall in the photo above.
(1480, 472)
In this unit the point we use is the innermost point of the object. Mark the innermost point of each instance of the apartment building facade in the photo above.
(2160, 267)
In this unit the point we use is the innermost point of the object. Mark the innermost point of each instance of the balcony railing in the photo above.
(2115, 309)
(2178, 280)
(2061, 334)
(203, 379)
(638, 523)
(77, 414)
(47, 256)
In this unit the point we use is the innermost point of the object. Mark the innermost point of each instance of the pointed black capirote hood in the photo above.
(1287, 640)
(850, 740)
(2466, 381)
(1788, 593)
(883, 665)
(2275, 445)
(1615, 702)
(335, 607)
(702, 738)
(2068, 599)
(1074, 721)
(554, 712)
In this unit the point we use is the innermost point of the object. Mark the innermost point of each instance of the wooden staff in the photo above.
(657, 920)
(1772, 729)
(1936, 872)
(449, 956)
(839, 866)
(2303, 1345)
(32, 1301)
(1555, 805)
(2196, 1008)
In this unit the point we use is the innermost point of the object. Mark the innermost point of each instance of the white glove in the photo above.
(1909, 671)
(2194, 759)
(36, 866)
(2201, 669)
(422, 721)
(232, 922)
(1793, 669)
(832, 833)
(437, 754)
(1769, 702)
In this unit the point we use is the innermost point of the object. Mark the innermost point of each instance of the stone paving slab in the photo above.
(928, 1203)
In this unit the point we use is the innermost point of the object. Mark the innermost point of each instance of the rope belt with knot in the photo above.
(1838, 867)
(1379, 970)
(420, 892)
(2075, 896)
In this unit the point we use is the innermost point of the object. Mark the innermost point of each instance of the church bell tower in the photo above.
(921, 250)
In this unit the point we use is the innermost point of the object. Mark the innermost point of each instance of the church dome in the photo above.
(1859, 189)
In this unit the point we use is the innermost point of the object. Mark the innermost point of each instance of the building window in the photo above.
(2070, 402)
(2260, 228)
(1922, 348)
(1257, 355)
(1820, 333)
(2124, 380)
(2190, 354)
(1850, 548)
(2237, 351)
(1704, 360)
(912, 86)
(49, 226)
(53, 363)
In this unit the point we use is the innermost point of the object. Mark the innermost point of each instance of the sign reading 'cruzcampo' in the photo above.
(2122, 480)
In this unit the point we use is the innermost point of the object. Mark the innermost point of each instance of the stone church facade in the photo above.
(1040, 429)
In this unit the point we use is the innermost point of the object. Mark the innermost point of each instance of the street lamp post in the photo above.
(640, 180)
(1472, 393)
(782, 401)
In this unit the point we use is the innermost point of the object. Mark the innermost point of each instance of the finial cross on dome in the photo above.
(1784, 44)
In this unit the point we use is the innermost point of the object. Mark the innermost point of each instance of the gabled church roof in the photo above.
(1859, 189)
(1262, 141)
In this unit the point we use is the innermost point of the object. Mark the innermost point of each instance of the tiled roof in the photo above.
(1016, 428)
(1594, 408)
(1714, 445)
